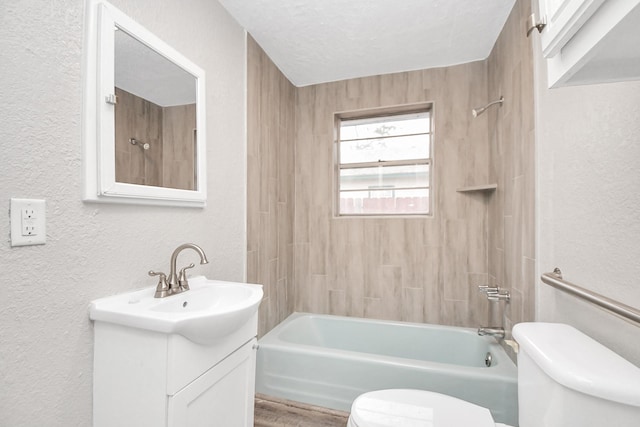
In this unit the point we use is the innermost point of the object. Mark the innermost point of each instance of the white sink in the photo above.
(211, 309)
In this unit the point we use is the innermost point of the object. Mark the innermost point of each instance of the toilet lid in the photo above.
(416, 408)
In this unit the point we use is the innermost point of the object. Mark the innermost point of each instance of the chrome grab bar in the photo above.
(555, 280)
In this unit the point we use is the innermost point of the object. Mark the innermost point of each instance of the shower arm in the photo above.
(477, 111)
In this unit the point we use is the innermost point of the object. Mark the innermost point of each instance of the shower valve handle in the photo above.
(486, 289)
(499, 296)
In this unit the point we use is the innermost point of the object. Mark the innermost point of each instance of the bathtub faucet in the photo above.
(493, 331)
(496, 295)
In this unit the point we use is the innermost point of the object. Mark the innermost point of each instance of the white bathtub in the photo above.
(330, 360)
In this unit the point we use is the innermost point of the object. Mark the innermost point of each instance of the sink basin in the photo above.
(210, 310)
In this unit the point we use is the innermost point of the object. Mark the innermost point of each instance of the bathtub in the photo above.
(329, 360)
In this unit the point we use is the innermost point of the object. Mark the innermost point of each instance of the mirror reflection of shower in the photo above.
(477, 111)
(143, 145)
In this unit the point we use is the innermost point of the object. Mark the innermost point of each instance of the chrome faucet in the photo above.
(177, 282)
(494, 294)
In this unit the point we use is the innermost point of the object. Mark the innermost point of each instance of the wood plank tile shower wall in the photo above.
(270, 183)
(512, 262)
(414, 269)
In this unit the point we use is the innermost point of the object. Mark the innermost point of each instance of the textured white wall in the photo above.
(46, 339)
(588, 225)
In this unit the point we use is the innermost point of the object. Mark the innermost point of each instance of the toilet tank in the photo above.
(566, 379)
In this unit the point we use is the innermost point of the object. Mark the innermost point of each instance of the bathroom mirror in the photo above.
(144, 134)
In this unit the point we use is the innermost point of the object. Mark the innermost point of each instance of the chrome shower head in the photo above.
(477, 111)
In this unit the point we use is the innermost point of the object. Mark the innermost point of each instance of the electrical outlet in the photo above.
(28, 225)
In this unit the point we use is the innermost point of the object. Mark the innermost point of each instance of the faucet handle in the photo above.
(486, 289)
(182, 277)
(162, 290)
(501, 295)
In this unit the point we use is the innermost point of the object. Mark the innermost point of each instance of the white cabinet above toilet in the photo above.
(590, 41)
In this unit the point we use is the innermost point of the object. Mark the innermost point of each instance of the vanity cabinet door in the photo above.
(222, 397)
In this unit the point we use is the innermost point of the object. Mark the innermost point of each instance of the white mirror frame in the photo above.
(99, 115)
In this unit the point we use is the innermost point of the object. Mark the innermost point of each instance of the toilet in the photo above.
(565, 379)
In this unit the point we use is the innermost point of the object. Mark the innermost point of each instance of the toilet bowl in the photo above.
(416, 408)
(565, 379)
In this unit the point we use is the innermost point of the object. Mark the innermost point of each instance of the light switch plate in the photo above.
(28, 222)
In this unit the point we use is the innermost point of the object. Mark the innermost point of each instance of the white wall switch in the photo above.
(28, 222)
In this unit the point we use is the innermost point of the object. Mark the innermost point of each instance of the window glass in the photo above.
(384, 164)
(384, 149)
(405, 124)
(405, 176)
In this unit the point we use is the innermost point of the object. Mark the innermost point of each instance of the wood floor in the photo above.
(272, 412)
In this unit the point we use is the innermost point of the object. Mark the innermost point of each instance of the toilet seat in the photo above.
(416, 408)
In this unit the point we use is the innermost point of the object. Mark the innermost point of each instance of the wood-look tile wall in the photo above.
(512, 209)
(170, 131)
(270, 175)
(179, 140)
(413, 269)
(138, 118)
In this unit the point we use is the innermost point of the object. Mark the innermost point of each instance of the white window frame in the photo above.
(383, 113)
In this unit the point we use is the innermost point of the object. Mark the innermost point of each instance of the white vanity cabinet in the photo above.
(590, 41)
(151, 379)
(222, 396)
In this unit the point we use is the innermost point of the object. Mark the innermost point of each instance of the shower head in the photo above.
(477, 111)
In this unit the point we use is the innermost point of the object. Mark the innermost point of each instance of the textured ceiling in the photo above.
(317, 41)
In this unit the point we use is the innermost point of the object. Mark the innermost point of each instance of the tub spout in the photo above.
(493, 331)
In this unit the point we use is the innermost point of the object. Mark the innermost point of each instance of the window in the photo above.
(384, 163)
